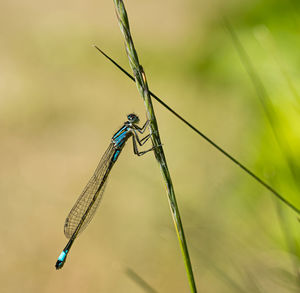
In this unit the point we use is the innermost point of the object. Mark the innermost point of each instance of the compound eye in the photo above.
(131, 117)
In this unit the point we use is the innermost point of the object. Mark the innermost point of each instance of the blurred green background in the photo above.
(60, 102)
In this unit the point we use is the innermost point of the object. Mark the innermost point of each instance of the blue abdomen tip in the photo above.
(62, 256)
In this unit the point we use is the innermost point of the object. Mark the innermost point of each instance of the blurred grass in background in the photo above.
(60, 102)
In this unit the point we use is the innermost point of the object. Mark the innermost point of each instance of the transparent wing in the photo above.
(91, 193)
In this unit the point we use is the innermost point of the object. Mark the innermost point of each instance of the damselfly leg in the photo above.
(143, 128)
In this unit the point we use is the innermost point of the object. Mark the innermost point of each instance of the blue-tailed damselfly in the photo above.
(87, 203)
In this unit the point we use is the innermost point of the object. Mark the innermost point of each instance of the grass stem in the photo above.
(141, 83)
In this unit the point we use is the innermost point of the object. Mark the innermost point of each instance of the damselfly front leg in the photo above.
(142, 129)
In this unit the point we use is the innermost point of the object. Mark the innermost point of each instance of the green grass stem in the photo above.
(142, 86)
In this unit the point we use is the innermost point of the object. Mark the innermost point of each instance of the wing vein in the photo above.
(92, 192)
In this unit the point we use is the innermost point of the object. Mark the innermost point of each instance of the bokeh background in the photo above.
(60, 102)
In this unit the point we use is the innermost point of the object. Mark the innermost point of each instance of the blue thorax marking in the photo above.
(120, 131)
(121, 136)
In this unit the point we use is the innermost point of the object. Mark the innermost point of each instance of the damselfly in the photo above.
(87, 203)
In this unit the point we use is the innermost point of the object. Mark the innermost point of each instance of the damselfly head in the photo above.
(132, 118)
